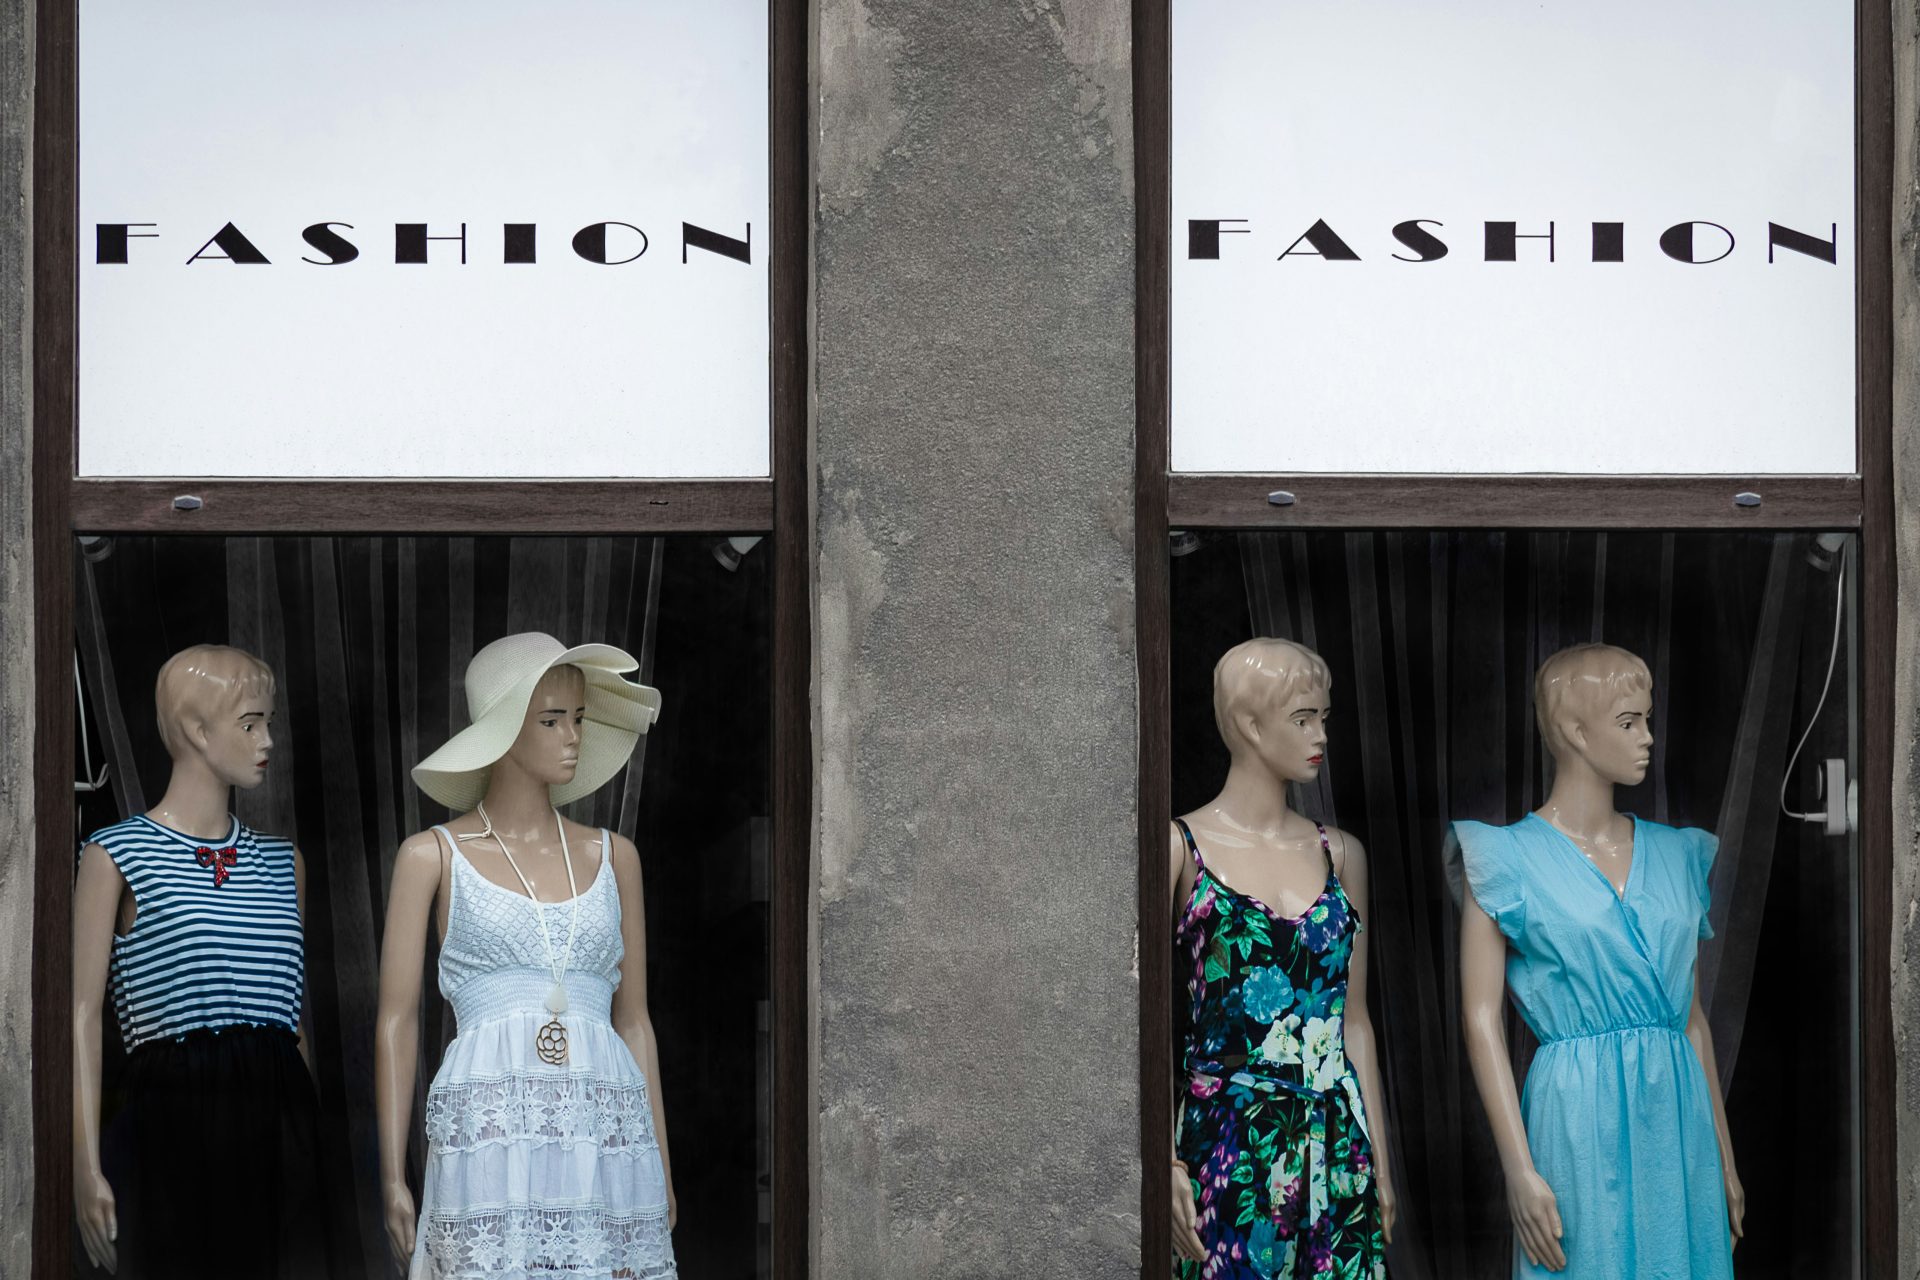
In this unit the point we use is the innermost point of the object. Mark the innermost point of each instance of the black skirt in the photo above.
(214, 1160)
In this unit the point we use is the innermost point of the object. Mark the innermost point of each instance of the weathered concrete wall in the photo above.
(1906, 728)
(16, 636)
(974, 431)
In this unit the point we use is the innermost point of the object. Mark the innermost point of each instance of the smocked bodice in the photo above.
(494, 962)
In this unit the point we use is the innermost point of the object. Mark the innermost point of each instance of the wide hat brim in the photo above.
(618, 712)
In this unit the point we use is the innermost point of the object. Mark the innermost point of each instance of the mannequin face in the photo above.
(1614, 737)
(1289, 735)
(548, 747)
(237, 739)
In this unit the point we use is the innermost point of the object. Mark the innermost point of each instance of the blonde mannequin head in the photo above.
(1256, 675)
(1580, 683)
(204, 684)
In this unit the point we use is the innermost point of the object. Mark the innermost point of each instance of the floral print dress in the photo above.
(1272, 1129)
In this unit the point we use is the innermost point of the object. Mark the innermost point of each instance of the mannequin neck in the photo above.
(1254, 799)
(519, 805)
(1581, 802)
(196, 800)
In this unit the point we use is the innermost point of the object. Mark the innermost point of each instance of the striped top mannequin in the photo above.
(216, 938)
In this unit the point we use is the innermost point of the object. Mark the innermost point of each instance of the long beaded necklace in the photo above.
(550, 1042)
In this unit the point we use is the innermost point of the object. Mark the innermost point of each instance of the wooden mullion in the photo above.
(1878, 1172)
(1153, 622)
(55, 284)
(267, 507)
(1513, 502)
(791, 980)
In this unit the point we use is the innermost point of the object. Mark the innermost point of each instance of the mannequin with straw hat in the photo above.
(547, 1141)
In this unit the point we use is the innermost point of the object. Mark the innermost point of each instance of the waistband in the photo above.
(228, 1034)
(1631, 1028)
(1206, 1079)
(502, 993)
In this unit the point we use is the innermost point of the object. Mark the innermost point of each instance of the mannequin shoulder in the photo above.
(1348, 852)
(97, 867)
(624, 855)
(418, 858)
(1686, 845)
(1647, 827)
(1178, 859)
(95, 853)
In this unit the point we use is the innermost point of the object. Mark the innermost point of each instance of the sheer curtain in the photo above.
(1433, 639)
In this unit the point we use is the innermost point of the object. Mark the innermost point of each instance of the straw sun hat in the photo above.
(500, 682)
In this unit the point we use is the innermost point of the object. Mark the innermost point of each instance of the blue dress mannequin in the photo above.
(1618, 1113)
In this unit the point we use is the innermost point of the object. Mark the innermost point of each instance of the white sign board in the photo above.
(1503, 236)
(431, 238)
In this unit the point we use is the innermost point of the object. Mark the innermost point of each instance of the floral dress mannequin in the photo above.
(1275, 1171)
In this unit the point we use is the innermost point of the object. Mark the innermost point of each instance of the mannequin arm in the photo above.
(1186, 1234)
(1362, 1049)
(396, 1035)
(1702, 1037)
(1483, 990)
(632, 1021)
(96, 901)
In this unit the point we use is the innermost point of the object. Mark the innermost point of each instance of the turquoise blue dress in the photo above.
(1618, 1114)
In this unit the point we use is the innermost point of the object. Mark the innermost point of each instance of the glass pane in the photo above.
(1432, 641)
(1385, 260)
(378, 240)
(369, 640)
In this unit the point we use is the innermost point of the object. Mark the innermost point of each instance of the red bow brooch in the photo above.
(221, 860)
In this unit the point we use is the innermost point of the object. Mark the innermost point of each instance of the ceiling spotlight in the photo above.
(731, 551)
(95, 547)
(1182, 542)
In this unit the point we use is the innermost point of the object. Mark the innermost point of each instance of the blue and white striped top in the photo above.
(216, 940)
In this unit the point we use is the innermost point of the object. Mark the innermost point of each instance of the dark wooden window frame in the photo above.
(65, 506)
(1862, 503)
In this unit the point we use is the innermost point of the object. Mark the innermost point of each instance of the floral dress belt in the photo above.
(1205, 1080)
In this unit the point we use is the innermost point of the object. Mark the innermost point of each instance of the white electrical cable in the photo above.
(1839, 610)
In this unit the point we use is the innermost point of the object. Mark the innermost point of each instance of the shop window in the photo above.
(368, 639)
(1433, 640)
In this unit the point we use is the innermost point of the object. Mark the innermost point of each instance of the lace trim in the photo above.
(543, 1243)
(541, 1110)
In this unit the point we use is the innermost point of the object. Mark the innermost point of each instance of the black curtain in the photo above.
(1433, 639)
(370, 639)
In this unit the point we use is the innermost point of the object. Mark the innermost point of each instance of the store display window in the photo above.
(419, 548)
(1701, 685)
(1514, 547)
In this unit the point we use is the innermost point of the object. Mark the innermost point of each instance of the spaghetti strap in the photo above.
(606, 848)
(1186, 833)
(1326, 848)
(446, 836)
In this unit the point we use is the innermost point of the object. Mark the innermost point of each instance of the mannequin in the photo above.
(1617, 1158)
(198, 920)
(546, 1126)
(1280, 1150)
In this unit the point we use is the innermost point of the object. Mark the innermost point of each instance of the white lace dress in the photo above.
(537, 1172)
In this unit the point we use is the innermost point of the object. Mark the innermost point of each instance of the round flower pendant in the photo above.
(551, 1042)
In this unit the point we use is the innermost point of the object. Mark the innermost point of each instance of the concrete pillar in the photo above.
(978, 1032)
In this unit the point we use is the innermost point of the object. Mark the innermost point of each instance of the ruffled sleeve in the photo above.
(1482, 859)
(1701, 848)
